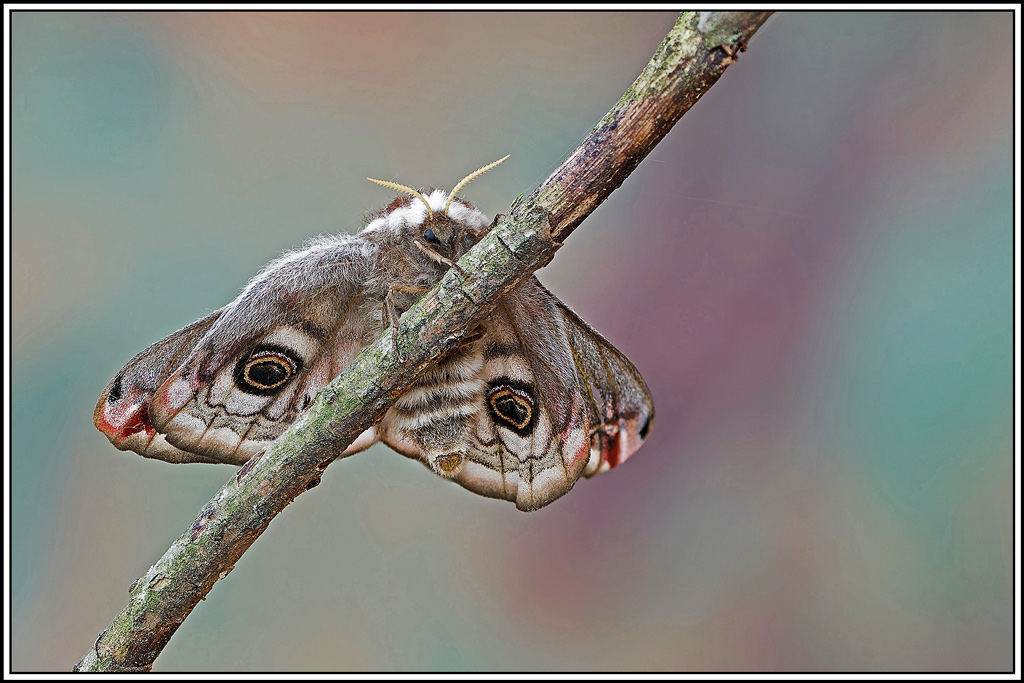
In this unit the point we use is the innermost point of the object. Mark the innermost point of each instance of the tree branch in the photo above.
(687, 63)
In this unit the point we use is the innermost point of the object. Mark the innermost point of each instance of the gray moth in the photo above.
(531, 400)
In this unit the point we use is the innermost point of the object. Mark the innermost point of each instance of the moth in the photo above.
(530, 400)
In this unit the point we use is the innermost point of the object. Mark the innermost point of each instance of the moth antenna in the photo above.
(407, 190)
(475, 174)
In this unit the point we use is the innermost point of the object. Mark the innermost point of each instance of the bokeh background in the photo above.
(813, 271)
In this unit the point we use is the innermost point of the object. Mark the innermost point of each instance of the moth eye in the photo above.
(512, 406)
(266, 371)
(430, 236)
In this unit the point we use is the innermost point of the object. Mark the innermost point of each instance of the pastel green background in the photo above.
(814, 272)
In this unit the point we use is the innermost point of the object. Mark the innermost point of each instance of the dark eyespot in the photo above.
(511, 405)
(513, 408)
(430, 236)
(266, 370)
(267, 373)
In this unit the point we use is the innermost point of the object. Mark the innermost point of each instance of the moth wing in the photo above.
(122, 412)
(622, 409)
(559, 402)
(262, 359)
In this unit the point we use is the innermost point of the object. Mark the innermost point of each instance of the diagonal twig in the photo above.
(688, 62)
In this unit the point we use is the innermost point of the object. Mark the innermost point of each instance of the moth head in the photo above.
(436, 219)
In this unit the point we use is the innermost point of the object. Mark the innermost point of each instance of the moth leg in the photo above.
(473, 336)
(477, 233)
(472, 232)
(390, 311)
(434, 256)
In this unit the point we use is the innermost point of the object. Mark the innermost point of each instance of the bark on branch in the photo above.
(687, 63)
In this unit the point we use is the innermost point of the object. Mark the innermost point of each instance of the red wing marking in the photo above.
(611, 449)
(137, 423)
(119, 424)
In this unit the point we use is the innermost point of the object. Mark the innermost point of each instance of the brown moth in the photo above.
(529, 401)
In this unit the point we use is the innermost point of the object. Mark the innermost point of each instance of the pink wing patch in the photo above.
(122, 419)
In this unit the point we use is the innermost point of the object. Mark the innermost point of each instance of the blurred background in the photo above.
(813, 271)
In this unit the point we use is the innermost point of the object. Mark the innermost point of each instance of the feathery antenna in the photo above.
(407, 190)
(475, 174)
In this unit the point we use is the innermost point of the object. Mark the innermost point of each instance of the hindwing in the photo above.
(522, 412)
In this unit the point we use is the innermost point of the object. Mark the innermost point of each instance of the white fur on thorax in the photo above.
(413, 214)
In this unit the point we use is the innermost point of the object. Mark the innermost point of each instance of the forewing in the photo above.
(620, 407)
(295, 327)
(122, 413)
